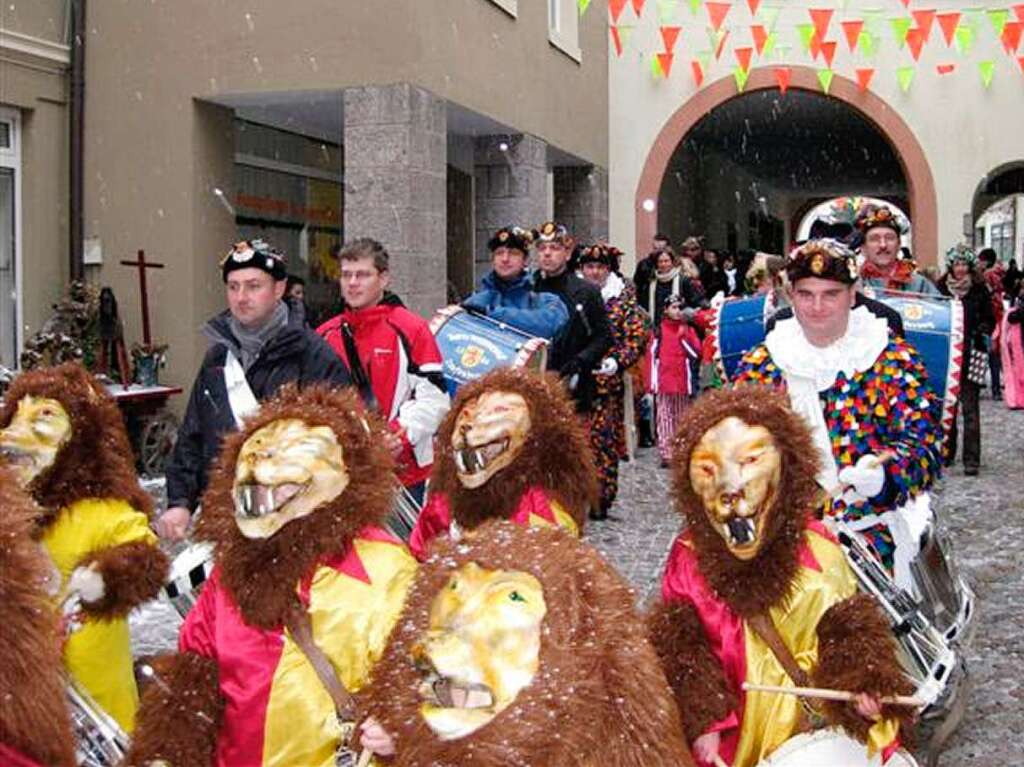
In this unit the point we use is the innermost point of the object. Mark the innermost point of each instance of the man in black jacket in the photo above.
(256, 346)
(577, 351)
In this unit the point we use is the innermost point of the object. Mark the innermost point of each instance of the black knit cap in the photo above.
(254, 254)
(826, 259)
(514, 237)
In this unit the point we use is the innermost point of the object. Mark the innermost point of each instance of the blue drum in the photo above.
(472, 344)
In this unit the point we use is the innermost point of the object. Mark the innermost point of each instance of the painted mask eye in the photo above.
(515, 596)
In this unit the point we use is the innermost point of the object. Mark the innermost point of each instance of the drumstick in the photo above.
(828, 694)
(883, 458)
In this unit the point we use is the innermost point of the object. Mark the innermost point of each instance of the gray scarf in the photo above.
(250, 341)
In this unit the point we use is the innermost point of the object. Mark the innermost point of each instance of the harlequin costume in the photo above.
(756, 591)
(94, 523)
(510, 448)
(242, 690)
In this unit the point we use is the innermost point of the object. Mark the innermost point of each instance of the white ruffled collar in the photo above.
(613, 287)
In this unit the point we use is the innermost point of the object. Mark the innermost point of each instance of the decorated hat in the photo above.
(254, 254)
(962, 253)
(826, 259)
(601, 253)
(551, 231)
(870, 216)
(514, 237)
(692, 242)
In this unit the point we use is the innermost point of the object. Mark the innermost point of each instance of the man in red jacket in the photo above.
(392, 357)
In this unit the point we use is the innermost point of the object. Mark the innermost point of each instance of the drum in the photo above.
(404, 513)
(472, 344)
(99, 740)
(830, 747)
(189, 572)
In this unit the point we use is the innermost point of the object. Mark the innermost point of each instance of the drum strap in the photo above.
(302, 632)
(764, 628)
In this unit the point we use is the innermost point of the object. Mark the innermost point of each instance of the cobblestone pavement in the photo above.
(986, 517)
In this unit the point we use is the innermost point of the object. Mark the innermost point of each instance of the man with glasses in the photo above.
(883, 267)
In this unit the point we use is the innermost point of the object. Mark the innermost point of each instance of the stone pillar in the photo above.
(395, 174)
(510, 187)
(581, 201)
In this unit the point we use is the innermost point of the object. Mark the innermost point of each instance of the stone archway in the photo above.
(921, 185)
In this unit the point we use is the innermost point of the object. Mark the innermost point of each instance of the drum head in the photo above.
(830, 747)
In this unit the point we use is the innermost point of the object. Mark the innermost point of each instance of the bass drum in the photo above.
(472, 344)
(831, 747)
(189, 571)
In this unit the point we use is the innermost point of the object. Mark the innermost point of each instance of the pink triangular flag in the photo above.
(852, 30)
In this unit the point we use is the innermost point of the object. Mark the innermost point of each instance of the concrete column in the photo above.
(581, 201)
(510, 187)
(395, 173)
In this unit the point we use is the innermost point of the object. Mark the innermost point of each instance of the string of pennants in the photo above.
(701, 31)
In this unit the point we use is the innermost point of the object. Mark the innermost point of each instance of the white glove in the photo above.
(609, 367)
(863, 480)
(87, 583)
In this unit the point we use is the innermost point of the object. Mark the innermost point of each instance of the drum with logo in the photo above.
(189, 571)
(830, 747)
(472, 344)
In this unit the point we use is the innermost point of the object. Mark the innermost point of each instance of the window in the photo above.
(564, 28)
(554, 20)
(10, 238)
(1002, 240)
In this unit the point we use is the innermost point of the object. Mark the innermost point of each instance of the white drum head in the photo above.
(831, 748)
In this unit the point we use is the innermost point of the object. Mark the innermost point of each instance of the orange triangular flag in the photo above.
(821, 17)
(1019, 10)
(945, 69)
(924, 20)
(615, 8)
(669, 35)
(815, 46)
(753, 6)
(1020, 61)
(782, 77)
(864, 77)
(616, 40)
(760, 35)
(717, 13)
(698, 73)
(721, 45)
(828, 50)
(638, 5)
(852, 30)
(743, 57)
(665, 60)
(948, 22)
(1012, 35)
(915, 41)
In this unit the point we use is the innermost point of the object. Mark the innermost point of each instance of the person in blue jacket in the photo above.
(506, 293)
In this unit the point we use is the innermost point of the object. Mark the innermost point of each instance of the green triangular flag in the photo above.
(582, 5)
(905, 75)
(782, 52)
(769, 44)
(656, 71)
(741, 77)
(806, 34)
(625, 30)
(770, 16)
(900, 27)
(667, 11)
(694, 7)
(873, 18)
(867, 44)
(704, 57)
(971, 17)
(987, 69)
(998, 19)
(964, 40)
(825, 78)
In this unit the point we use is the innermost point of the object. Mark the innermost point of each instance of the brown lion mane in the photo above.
(751, 587)
(599, 696)
(261, 574)
(556, 454)
(33, 716)
(97, 462)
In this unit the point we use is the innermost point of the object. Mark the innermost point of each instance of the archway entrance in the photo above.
(760, 159)
(998, 212)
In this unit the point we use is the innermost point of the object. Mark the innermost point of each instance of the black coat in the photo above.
(979, 315)
(296, 353)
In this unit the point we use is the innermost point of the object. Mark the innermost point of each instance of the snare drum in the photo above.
(189, 572)
(830, 747)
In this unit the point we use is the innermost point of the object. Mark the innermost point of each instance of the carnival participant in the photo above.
(671, 379)
(587, 337)
(670, 280)
(600, 266)
(963, 282)
(306, 588)
(510, 448)
(863, 391)
(506, 292)
(883, 267)
(65, 437)
(393, 359)
(757, 591)
(257, 345)
(1013, 356)
(643, 273)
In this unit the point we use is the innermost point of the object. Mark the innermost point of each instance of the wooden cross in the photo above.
(142, 265)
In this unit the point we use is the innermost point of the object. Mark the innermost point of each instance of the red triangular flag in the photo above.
(1020, 61)
(615, 9)
(717, 13)
(852, 30)
(669, 35)
(906, 3)
(665, 59)
(638, 5)
(828, 50)
(753, 6)
(915, 41)
(760, 35)
(864, 77)
(815, 46)
(721, 45)
(948, 22)
(782, 77)
(945, 69)
(924, 20)
(743, 57)
(616, 40)
(1019, 10)
(821, 17)
(1012, 36)
(698, 73)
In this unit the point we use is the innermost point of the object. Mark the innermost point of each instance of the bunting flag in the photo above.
(698, 73)
(806, 35)
(1011, 37)
(656, 71)
(667, 11)
(782, 76)
(852, 30)
(704, 57)
(971, 17)
(998, 19)
(740, 75)
(743, 57)
(1020, 62)
(986, 69)
(945, 69)
(753, 6)
(915, 42)
(924, 21)
(669, 35)
(864, 77)
(1019, 10)
(948, 22)
(717, 13)
(770, 16)
(717, 39)
(868, 44)
(665, 61)
(828, 50)
(905, 76)
(825, 78)
(906, 3)
(615, 9)
(820, 17)
(694, 7)
(616, 39)
(582, 5)
(760, 35)
(900, 27)
(815, 46)
(964, 40)
(770, 45)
